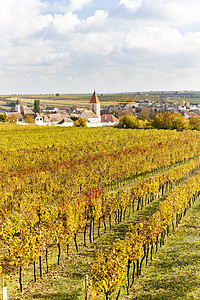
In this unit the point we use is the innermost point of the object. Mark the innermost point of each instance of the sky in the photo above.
(112, 46)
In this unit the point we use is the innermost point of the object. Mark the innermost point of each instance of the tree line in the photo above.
(163, 120)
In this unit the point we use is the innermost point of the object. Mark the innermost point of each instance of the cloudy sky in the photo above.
(76, 46)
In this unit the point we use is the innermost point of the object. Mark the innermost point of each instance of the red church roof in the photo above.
(94, 98)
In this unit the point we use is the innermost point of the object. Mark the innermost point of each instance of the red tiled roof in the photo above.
(94, 98)
(191, 114)
(109, 118)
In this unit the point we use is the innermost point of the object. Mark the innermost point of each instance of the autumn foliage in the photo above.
(54, 184)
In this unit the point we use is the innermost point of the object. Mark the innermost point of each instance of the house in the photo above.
(50, 109)
(63, 112)
(109, 119)
(53, 119)
(42, 119)
(29, 112)
(15, 117)
(92, 119)
(60, 119)
(78, 110)
(146, 102)
(65, 122)
(189, 115)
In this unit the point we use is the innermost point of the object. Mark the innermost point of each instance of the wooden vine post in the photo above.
(4, 291)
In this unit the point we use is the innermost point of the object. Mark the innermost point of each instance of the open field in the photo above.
(66, 101)
(82, 100)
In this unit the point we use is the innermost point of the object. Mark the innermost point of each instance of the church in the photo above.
(93, 115)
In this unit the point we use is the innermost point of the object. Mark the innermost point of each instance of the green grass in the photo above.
(174, 272)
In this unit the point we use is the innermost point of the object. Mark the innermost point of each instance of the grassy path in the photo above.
(174, 272)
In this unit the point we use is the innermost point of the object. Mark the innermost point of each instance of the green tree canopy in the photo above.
(168, 120)
(129, 121)
(194, 123)
(36, 108)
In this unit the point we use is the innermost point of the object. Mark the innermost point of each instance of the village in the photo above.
(96, 116)
(52, 116)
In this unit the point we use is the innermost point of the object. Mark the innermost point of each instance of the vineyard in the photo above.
(66, 192)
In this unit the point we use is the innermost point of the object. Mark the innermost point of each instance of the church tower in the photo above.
(95, 104)
(17, 106)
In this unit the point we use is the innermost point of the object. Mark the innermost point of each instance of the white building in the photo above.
(53, 119)
(93, 116)
(50, 109)
(17, 106)
(95, 104)
(92, 119)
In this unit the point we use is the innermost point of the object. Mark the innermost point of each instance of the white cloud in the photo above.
(79, 4)
(166, 12)
(35, 53)
(59, 42)
(65, 23)
(96, 43)
(160, 39)
(177, 11)
(131, 4)
(98, 18)
(163, 40)
(21, 18)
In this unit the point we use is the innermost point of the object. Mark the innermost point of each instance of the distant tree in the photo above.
(194, 123)
(163, 121)
(179, 122)
(123, 112)
(57, 95)
(143, 124)
(36, 108)
(152, 113)
(3, 118)
(129, 121)
(168, 120)
(144, 114)
(11, 103)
